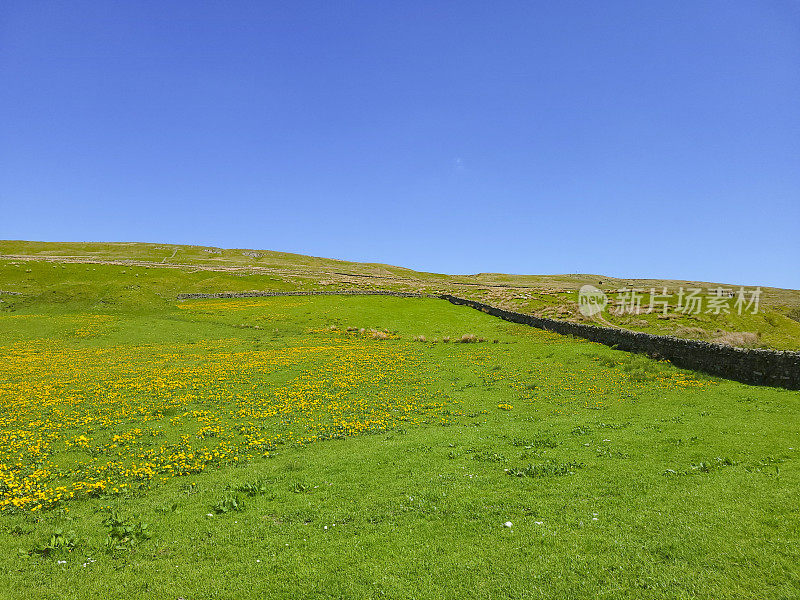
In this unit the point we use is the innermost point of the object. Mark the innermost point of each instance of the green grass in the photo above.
(622, 477)
(130, 275)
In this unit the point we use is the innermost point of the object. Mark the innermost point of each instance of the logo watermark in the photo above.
(686, 301)
(591, 300)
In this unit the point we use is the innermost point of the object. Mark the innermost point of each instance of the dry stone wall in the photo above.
(309, 293)
(758, 367)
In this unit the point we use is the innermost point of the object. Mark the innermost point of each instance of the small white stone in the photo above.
(508, 524)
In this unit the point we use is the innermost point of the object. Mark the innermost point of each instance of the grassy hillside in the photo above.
(340, 447)
(129, 273)
(269, 447)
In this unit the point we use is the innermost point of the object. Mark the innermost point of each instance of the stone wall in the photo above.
(759, 367)
(309, 293)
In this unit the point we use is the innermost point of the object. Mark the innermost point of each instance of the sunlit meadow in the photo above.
(361, 445)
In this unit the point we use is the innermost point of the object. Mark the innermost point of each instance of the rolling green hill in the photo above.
(365, 446)
(152, 274)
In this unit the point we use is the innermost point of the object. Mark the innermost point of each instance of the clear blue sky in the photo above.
(656, 139)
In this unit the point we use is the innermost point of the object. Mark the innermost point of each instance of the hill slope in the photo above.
(172, 269)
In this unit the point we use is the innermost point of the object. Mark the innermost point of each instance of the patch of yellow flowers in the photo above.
(78, 422)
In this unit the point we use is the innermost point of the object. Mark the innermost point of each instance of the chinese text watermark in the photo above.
(687, 301)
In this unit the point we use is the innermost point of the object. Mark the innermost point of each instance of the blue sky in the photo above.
(649, 139)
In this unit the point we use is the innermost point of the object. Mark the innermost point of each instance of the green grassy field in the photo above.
(258, 448)
(163, 270)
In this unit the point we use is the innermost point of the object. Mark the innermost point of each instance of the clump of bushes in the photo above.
(229, 503)
(469, 338)
(692, 332)
(739, 339)
(58, 543)
(537, 442)
(259, 487)
(549, 469)
(124, 533)
(375, 334)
